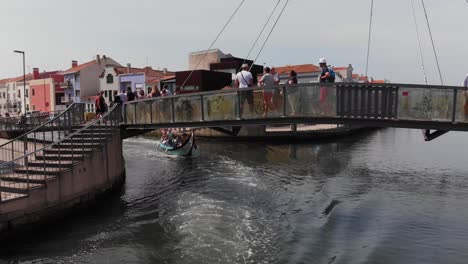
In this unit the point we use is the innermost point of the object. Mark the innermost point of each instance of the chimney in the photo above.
(74, 63)
(128, 67)
(35, 73)
(165, 71)
(98, 59)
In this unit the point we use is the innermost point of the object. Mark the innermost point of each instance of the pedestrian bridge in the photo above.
(439, 108)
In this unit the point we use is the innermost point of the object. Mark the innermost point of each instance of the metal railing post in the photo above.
(454, 106)
(284, 101)
(151, 111)
(173, 110)
(202, 107)
(135, 113)
(239, 105)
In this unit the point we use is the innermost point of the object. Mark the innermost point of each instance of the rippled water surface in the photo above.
(379, 197)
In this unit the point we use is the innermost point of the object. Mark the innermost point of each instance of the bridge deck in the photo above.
(383, 105)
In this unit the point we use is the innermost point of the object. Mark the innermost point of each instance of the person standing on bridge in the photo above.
(130, 95)
(327, 76)
(244, 80)
(267, 81)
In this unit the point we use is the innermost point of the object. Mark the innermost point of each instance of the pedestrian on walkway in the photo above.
(244, 80)
(268, 82)
(327, 76)
(100, 104)
(292, 92)
(130, 95)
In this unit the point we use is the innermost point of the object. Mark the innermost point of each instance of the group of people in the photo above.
(173, 138)
(272, 95)
(128, 96)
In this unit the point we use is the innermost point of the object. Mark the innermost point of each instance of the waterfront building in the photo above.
(45, 93)
(344, 74)
(201, 81)
(118, 78)
(306, 73)
(216, 60)
(83, 80)
(3, 96)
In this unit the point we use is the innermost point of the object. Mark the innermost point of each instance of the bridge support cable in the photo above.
(269, 34)
(432, 41)
(419, 41)
(370, 36)
(215, 40)
(263, 30)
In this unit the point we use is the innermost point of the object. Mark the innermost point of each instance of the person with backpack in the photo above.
(328, 75)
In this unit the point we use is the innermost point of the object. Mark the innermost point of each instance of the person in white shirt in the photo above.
(244, 79)
(267, 81)
(275, 75)
(465, 83)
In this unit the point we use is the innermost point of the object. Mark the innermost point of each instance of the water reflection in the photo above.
(380, 197)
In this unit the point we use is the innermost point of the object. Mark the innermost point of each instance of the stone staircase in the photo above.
(40, 167)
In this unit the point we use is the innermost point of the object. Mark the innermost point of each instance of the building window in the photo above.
(110, 78)
(110, 96)
(4, 96)
(77, 93)
(32, 91)
(19, 93)
(105, 93)
(26, 94)
(34, 107)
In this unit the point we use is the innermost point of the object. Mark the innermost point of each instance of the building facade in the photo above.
(45, 93)
(83, 80)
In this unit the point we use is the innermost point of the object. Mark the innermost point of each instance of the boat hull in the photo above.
(184, 150)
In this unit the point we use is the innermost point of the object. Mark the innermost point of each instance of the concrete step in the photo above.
(32, 178)
(94, 135)
(51, 164)
(62, 156)
(10, 196)
(18, 187)
(37, 170)
(69, 151)
(85, 140)
(76, 146)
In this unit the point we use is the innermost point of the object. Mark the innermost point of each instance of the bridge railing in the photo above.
(26, 122)
(54, 129)
(34, 167)
(338, 100)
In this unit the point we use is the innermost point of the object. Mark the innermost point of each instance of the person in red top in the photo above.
(100, 103)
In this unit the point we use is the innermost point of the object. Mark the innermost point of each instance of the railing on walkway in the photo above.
(26, 122)
(339, 100)
(36, 167)
(53, 130)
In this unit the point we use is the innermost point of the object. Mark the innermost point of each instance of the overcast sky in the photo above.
(162, 33)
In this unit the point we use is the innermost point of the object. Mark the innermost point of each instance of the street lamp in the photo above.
(24, 77)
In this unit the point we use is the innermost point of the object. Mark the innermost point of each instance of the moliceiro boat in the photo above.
(172, 147)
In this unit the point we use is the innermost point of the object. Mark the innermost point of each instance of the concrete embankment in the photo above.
(98, 173)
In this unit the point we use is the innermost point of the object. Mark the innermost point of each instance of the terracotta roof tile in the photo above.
(304, 68)
(377, 81)
(80, 67)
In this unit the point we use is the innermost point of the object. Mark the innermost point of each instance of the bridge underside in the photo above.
(440, 128)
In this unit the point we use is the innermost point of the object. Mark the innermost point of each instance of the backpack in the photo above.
(332, 74)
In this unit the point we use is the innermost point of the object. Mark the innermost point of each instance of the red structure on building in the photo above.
(45, 93)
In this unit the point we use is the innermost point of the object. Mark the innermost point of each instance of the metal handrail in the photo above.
(343, 84)
(71, 135)
(43, 125)
(51, 131)
(34, 169)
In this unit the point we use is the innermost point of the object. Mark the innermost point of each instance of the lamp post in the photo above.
(24, 77)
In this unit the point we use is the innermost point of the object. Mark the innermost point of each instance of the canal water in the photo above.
(384, 196)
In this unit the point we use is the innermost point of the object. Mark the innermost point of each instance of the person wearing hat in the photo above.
(244, 79)
(325, 76)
